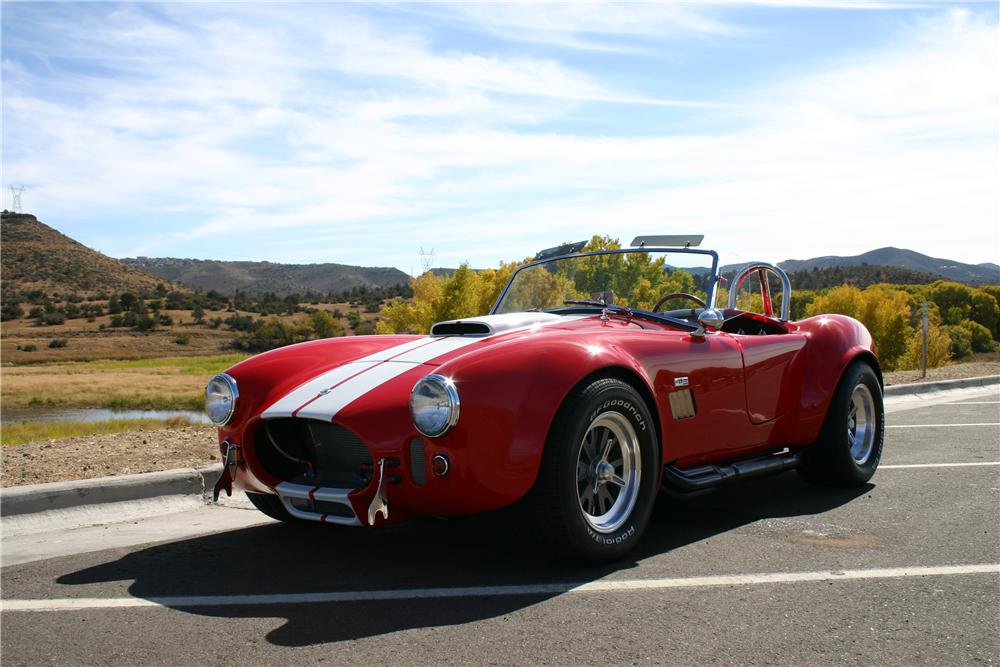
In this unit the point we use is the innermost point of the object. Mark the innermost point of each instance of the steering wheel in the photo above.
(677, 295)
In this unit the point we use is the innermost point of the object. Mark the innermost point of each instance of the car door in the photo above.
(771, 375)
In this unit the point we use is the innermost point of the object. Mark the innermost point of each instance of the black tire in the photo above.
(625, 474)
(272, 506)
(838, 457)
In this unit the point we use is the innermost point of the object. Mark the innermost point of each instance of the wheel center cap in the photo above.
(604, 471)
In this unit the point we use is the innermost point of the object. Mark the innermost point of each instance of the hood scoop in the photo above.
(491, 325)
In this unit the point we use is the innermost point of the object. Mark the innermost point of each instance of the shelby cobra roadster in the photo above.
(577, 399)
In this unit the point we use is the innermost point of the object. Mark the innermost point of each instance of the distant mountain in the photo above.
(906, 259)
(37, 257)
(256, 278)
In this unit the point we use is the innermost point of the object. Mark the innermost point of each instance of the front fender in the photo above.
(510, 398)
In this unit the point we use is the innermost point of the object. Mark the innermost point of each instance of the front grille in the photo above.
(306, 451)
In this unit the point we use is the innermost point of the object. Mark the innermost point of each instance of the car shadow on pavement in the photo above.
(477, 551)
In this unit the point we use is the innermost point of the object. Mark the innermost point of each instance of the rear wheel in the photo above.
(849, 448)
(597, 482)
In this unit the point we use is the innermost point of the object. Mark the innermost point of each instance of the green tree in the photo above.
(324, 325)
(954, 300)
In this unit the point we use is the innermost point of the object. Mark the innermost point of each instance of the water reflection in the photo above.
(19, 415)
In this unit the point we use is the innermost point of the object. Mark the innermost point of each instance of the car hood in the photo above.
(331, 388)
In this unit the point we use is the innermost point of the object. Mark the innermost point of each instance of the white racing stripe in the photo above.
(287, 404)
(939, 465)
(939, 425)
(603, 586)
(326, 407)
(353, 380)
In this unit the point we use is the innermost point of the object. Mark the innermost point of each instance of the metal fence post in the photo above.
(924, 349)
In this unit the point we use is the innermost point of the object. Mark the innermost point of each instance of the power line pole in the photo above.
(15, 193)
(426, 259)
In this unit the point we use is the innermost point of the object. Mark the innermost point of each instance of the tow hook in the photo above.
(230, 462)
(380, 503)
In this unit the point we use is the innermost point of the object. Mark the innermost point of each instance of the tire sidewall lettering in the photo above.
(627, 408)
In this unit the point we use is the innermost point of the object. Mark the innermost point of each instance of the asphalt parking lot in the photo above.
(903, 571)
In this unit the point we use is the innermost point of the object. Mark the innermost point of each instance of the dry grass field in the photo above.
(160, 383)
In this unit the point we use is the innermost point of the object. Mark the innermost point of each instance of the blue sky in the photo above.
(359, 133)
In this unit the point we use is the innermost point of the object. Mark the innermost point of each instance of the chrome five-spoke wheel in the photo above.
(608, 471)
(862, 424)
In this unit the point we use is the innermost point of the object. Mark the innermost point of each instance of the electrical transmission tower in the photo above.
(426, 259)
(15, 193)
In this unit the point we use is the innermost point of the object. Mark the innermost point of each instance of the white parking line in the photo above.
(73, 604)
(938, 465)
(975, 403)
(934, 425)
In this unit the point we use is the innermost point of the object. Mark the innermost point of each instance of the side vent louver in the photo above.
(682, 404)
(418, 463)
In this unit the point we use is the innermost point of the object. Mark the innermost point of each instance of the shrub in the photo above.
(365, 328)
(961, 340)
(938, 349)
(980, 337)
(182, 338)
(11, 310)
(324, 326)
(30, 347)
(271, 333)
(50, 319)
(58, 342)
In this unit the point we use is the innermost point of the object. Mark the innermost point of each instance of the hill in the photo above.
(257, 278)
(37, 257)
(904, 259)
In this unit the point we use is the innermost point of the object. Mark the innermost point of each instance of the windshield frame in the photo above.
(713, 284)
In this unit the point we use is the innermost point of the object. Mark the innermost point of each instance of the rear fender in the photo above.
(834, 342)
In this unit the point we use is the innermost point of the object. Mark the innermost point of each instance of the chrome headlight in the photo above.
(434, 405)
(221, 395)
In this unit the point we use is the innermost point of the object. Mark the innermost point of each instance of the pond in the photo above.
(17, 415)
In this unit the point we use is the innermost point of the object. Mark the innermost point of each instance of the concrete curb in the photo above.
(23, 500)
(104, 490)
(913, 388)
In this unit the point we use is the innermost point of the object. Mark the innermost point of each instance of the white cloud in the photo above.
(332, 137)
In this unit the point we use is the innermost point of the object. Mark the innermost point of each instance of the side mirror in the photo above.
(709, 318)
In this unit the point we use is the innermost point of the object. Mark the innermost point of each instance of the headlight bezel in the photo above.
(230, 383)
(448, 390)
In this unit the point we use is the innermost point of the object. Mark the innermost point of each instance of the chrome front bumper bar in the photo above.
(309, 496)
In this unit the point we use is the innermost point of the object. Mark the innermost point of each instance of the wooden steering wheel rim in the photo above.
(677, 295)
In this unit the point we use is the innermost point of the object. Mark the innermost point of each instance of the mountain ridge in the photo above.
(905, 259)
(256, 278)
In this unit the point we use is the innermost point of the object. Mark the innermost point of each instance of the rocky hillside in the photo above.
(37, 257)
(257, 278)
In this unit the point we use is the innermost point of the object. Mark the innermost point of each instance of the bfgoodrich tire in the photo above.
(849, 448)
(597, 482)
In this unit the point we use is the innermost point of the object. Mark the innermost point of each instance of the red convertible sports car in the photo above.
(578, 398)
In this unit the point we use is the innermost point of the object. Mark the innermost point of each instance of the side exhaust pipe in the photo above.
(704, 478)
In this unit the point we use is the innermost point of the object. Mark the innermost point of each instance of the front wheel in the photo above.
(271, 506)
(849, 448)
(597, 482)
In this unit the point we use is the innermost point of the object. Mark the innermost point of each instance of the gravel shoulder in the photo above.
(189, 447)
